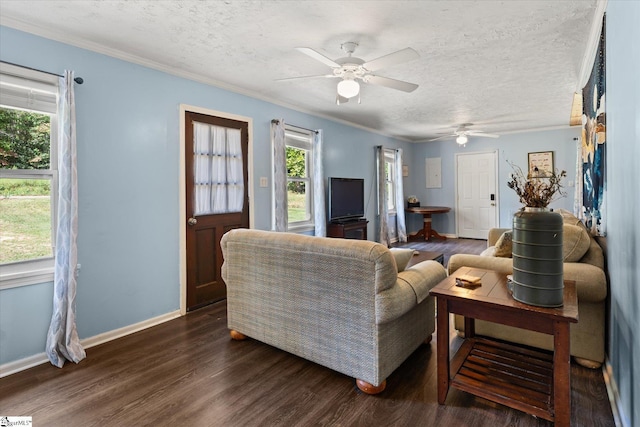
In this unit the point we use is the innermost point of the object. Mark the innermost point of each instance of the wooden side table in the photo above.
(427, 231)
(530, 380)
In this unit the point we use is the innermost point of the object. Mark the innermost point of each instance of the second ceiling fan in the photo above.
(462, 134)
(351, 69)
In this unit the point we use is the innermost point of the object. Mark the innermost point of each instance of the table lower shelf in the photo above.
(514, 376)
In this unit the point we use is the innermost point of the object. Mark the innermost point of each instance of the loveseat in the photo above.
(583, 263)
(336, 302)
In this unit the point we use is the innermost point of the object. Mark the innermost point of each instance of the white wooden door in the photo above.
(477, 199)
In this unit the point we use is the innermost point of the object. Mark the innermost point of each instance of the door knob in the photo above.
(192, 221)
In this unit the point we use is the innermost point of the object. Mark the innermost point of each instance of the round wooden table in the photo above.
(426, 211)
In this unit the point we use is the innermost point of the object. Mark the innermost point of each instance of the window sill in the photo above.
(301, 228)
(26, 273)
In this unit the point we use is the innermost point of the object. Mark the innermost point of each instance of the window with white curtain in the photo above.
(218, 169)
(390, 179)
(299, 159)
(28, 175)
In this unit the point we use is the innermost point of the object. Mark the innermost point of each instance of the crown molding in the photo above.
(592, 45)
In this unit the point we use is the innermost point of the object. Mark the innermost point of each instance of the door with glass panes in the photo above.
(216, 199)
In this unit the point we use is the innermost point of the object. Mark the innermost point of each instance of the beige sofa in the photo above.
(339, 303)
(588, 335)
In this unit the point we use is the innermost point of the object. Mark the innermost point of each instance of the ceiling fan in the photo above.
(351, 69)
(462, 134)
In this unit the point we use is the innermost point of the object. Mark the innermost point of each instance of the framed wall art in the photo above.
(540, 164)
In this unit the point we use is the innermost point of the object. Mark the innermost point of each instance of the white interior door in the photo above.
(476, 199)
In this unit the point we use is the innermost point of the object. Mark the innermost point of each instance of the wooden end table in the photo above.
(426, 211)
(530, 380)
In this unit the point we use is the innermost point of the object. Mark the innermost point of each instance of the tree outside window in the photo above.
(297, 185)
(390, 180)
(25, 185)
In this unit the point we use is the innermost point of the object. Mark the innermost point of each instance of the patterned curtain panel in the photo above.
(383, 213)
(577, 200)
(62, 339)
(218, 174)
(400, 222)
(279, 175)
(319, 210)
(593, 144)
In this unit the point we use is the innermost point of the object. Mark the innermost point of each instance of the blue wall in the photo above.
(128, 166)
(623, 200)
(511, 148)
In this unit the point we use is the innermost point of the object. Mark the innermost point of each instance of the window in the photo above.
(27, 175)
(299, 158)
(390, 179)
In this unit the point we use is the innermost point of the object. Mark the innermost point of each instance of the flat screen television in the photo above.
(346, 199)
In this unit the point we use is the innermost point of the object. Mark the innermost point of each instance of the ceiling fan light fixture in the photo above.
(348, 88)
(462, 139)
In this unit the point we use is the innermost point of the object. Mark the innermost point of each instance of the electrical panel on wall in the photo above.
(433, 167)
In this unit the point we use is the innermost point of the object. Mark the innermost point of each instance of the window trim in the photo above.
(300, 138)
(24, 273)
(390, 159)
(37, 270)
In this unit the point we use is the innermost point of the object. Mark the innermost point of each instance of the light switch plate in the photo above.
(263, 181)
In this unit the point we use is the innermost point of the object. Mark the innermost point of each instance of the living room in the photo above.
(128, 150)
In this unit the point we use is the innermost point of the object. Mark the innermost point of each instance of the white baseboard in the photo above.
(614, 397)
(40, 358)
(22, 364)
(128, 330)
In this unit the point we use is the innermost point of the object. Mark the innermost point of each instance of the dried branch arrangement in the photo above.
(536, 192)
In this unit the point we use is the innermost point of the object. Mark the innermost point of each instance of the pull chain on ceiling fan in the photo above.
(350, 69)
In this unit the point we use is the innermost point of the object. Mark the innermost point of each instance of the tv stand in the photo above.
(348, 229)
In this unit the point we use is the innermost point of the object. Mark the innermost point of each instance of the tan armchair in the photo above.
(588, 335)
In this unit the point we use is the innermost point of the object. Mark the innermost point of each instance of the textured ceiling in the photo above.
(504, 66)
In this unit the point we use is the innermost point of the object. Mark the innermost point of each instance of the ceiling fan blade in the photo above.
(441, 137)
(480, 133)
(319, 57)
(391, 83)
(398, 57)
(319, 76)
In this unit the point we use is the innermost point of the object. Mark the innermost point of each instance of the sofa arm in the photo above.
(411, 288)
(501, 265)
(591, 282)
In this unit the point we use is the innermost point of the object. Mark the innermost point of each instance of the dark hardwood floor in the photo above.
(188, 372)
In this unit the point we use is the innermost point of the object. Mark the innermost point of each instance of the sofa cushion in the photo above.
(504, 245)
(575, 242)
(402, 257)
